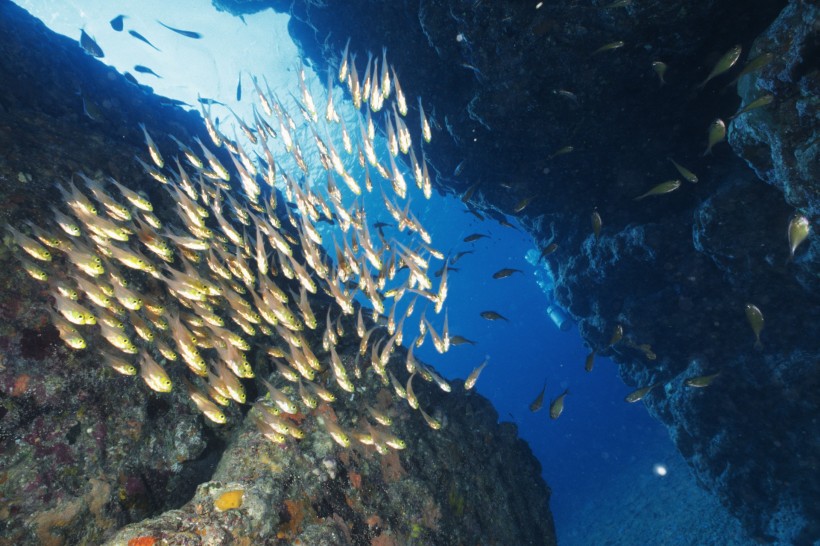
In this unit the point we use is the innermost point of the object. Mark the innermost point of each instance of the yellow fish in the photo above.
(639, 394)
(34, 271)
(798, 232)
(590, 361)
(724, 63)
(539, 400)
(755, 64)
(717, 133)
(154, 375)
(562, 151)
(67, 332)
(688, 175)
(32, 247)
(617, 335)
(469, 383)
(557, 406)
(609, 47)
(74, 312)
(596, 224)
(119, 365)
(521, 205)
(701, 381)
(204, 404)
(156, 157)
(662, 188)
(759, 102)
(660, 69)
(755, 318)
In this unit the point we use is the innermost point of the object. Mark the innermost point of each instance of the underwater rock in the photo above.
(85, 451)
(471, 482)
(511, 86)
(780, 142)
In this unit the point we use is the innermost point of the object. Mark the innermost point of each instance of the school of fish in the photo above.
(220, 274)
(369, 262)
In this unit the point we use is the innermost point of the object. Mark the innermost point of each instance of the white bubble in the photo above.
(659, 469)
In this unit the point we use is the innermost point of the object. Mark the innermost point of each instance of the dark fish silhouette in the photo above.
(461, 340)
(506, 272)
(208, 102)
(186, 33)
(116, 22)
(460, 255)
(90, 46)
(142, 38)
(475, 237)
(174, 102)
(475, 213)
(505, 223)
(130, 78)
(539, 400)
(239, 88)
(145, 70)
(440, 272)
(547, 250)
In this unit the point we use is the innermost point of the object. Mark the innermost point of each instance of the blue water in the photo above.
(599, 436)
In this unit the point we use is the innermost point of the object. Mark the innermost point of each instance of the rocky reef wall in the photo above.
(85, 451)
(513, 86)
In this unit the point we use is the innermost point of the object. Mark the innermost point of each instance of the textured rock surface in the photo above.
(472, 482)
(674, 270)
(84, 451)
